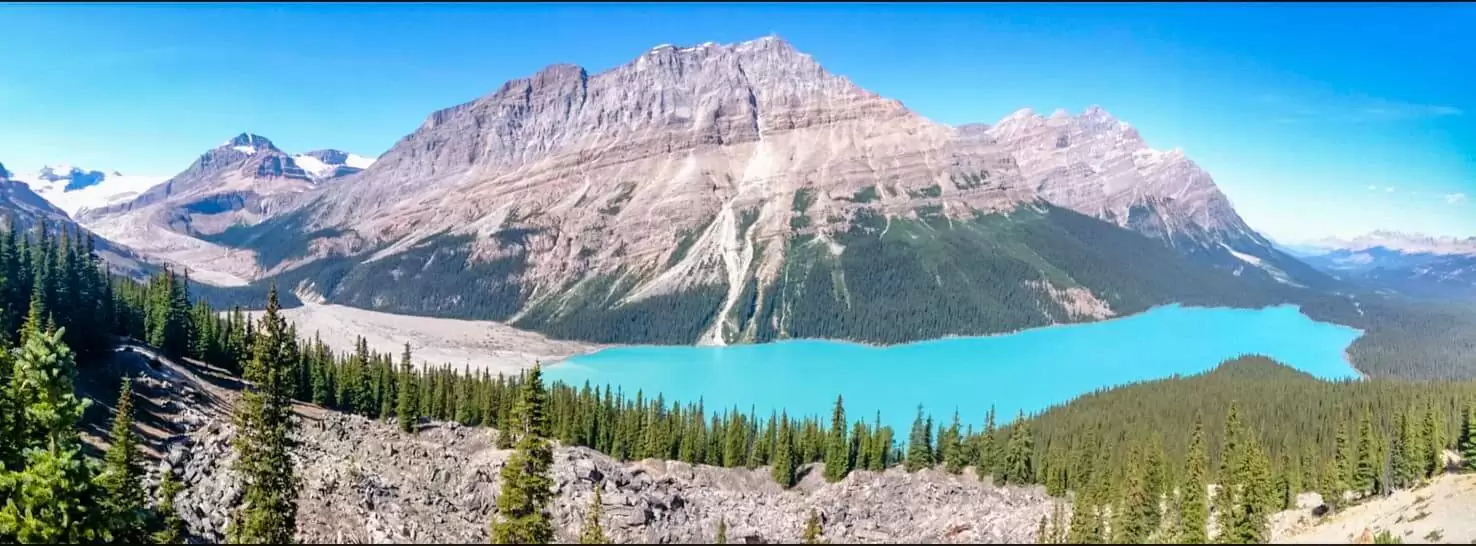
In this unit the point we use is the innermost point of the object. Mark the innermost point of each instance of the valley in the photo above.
(729, 292)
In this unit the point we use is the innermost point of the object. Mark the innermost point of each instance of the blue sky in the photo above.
(1314, 119)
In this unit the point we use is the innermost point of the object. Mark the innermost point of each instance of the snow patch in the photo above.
(313, 165)
(358, 161)
(248, 150)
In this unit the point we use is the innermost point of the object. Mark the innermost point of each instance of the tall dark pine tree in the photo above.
(527, 489)
(920, 444)
(1018, 466)
(263, 440)
(121, 479)
(784, 459)
(405, 407)
(837, 449)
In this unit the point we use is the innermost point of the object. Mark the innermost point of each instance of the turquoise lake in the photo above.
(1030, 370)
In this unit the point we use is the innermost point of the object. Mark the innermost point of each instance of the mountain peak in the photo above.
(4, 174)
(249, 143)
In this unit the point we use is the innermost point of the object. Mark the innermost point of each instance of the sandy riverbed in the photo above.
(479, 344)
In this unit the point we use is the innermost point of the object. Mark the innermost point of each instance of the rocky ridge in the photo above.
(366, 482)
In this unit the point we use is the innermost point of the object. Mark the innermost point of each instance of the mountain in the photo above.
(225, 186)
(73, 189)
(28, 209)
(729, 193)
(1410, 264)
(328, 164)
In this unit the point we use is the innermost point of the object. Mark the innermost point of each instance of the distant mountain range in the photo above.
(28, 210)
(720, 194)
(1411, 264)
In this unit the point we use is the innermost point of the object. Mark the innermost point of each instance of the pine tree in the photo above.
(1342, 458)
(955, 456)
(837, 448)
(52, 495)
(171, 527)
(592, 533)
(1468, 438)
(405, 407)
(1137, 513)
(1085, 526)
(263, 439)
(1408, 459)
(1434, 463)
(783, 459)
(1042, 536)
(920, 444)
(527, 488)
(1365, 474)
(1018, 466)
(722, 531)
(121, 479)
(812, 528)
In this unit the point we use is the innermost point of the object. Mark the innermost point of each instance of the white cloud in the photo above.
(1353, 109)
(1372, 187)
(1389, 189)
(1455, 198)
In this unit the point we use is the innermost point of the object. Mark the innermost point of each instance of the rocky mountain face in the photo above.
(1404, 243)
(226, 186)
(721, 192)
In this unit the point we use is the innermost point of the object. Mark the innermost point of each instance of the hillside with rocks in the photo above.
(364, 481)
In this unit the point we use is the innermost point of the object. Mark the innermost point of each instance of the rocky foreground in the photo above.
(365, 481)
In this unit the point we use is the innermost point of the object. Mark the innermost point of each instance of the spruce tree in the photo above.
(121, 479)
(722, 531)
(527, 489)
(171, 527)
(837, 448)
(405, 407)
(1137, 513)
(1468, 438)
(263, 440)
(1365, 475)
(1042, 536)
(955, 456)
(1434, 432)
(592, 533)
(1018, 467)
(783, 459)
(1408, 457)
(812, 528)
(919, 444)
(52, 496)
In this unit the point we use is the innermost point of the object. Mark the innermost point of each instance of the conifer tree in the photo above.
(527, 488)
(1137, 514)
(1408, 459)
(1366, 472)
(405, 407)
(837, 448)
(1434, 432)
(592, 533)
(812, 528)
(263, 439)
(783, 459)
(920, 444)
(1343, 457)
(1085, 526)
(52, 496)
(1042, 536)
(1018, 466)
(722, 531)
(121, 479)
(171, 527)
(1468, 438)
(955, 457)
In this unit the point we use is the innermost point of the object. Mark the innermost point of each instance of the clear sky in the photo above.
(1315, 119)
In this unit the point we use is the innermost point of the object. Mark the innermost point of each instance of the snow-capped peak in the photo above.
(73, 188)
(328, 163)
